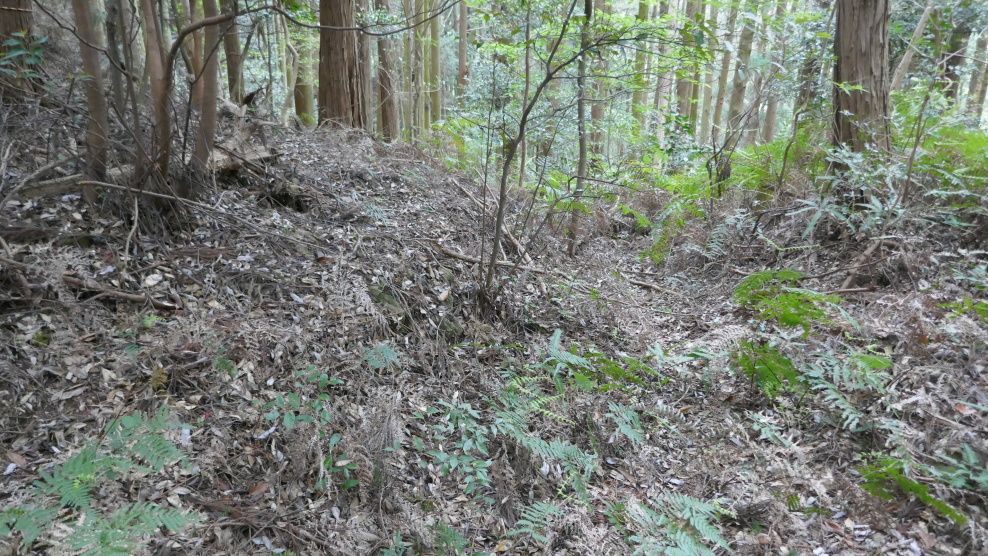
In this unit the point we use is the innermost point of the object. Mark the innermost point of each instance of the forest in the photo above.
(477, 277)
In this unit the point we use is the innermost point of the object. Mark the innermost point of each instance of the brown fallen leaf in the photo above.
(258, 489)
(16, 458)
(963, 409)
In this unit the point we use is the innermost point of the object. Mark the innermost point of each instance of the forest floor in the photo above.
(317, 324)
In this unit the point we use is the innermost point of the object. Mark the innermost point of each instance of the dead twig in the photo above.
(80, 284)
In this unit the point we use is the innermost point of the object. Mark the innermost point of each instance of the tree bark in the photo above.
(597, 133)
(638, 107)
(436, 82)
(725, 71)
(706, 118)
(234, 54)
(861, 63)
(581, 123)
(953, 59)
(387, 116)
(778, 56)
(367, 73)
(979, 86)
(463, 25)
(685, 84)
(736, 118)
(97, 126)
(304, 90)
(210, 90)
(15, 16)
(340, 74)
(978, 63)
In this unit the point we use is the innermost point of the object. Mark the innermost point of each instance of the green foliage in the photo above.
(23, 56)
(470, 457)
(381, 356)
(774, 296)
(843, 379)
(966, 470)
(293, 408)
(449, 541)
(536, 519)
(340, 465)
(675, 524)
(628, 423)
(886, 478)
(132, 446)
(769, 370)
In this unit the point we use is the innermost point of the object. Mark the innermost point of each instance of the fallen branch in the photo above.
(475, 260)
(652, 287)
(851, 290)
(80, 284)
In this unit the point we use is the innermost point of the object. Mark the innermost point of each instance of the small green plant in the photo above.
(675, 524)
(536, 519)
(150, 320)
(886, 478)
(381, 356)
(23, 57)
(132, 447)
(774, 296)
(341, 465)
(469, 458)
(767, 368)
(293, 409)
(449, 541)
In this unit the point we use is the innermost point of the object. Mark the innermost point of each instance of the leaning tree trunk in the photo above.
(903, 67)
(340, 98)
(861, 75)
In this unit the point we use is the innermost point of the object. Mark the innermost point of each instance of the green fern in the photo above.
(132, 444)
(769, 370)
(536, 519)
(381, 356)
(678, 525)
(773, 295)
(882, 478)
(628, 423)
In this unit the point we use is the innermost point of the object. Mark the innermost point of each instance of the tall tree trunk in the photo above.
(97, 126)
(979, 64)
(436, 83)
(861, 61)
(778, 48)
(367, 75)
(234, 54)
(597, 126)
(210, 90)
(706, 118)
(725, 70)
(161, 146)
(581, 124)
(340, 99)
(903, 67)
(685, 85)
(737, 119)
(979, 79)
(463, 24)
(304, 90)
(953, 59)
(638, 107)
(663, 84)
(387, 106)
